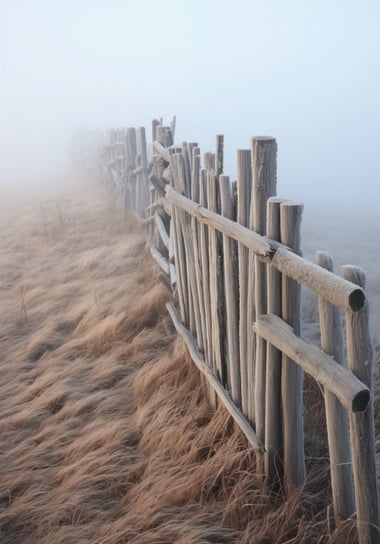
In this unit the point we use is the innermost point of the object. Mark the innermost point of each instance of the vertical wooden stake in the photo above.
(204, 260)
(244, 189)
(216, 277)
(336, 415)
(292, 374)
(231, 295)
(359, 352)
(273, 411)
(264, 169)
(219, 155)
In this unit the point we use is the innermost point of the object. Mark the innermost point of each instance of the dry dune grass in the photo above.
(106, 432)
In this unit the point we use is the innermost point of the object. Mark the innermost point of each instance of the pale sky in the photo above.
(306, 72)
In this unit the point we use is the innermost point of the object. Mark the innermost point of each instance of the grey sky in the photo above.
(306, 72)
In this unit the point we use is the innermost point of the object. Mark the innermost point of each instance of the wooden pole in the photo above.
(155, 124)
(264, 169)
(209, 161)
(179, 250)
(292, 375)
(231, 294)
(273, 411)
(195, 226)
(219, 155)
(173, 125)
(205, 270)
(351, 392)
(142, 178)
(244, 189)
(215, 280)
(161, 229)
(162, 262)
(186, 170)
(194, 318)
(204, 260)
(359, 353)
(252, 240)
(336, 416)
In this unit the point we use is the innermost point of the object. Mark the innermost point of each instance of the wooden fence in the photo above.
(231, 252)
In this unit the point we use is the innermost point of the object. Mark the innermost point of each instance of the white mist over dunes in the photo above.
(304, 72)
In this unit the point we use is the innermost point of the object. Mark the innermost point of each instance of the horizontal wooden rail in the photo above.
(162, 229)
(351, 392)
(251, 239)
(160, 260)
(337, 290)
(196, 356)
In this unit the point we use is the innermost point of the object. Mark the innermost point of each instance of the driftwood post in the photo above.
(292, 375)
(336, 415)
(359, 352)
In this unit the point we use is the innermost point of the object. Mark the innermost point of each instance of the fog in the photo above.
(306, 72)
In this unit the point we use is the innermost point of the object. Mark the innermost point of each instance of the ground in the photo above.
(107, 435)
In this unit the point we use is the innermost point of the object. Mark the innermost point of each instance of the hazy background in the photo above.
(306, 72)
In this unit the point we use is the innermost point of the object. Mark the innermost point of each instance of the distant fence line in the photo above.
(231, 251)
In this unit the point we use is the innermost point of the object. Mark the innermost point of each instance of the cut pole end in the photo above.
(356, 299)
(361, 401)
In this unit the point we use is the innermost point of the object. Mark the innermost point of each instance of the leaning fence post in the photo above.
(359, 353)
(292, 374)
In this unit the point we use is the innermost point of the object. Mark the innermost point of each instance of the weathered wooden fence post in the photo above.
(244, 189)
(216, 280)
(292, 374)
(336, 415)
(359, 352)
(231, 294)
(264, 170)
(273, 407)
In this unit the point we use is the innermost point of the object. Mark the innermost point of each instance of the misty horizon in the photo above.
(306, 74)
